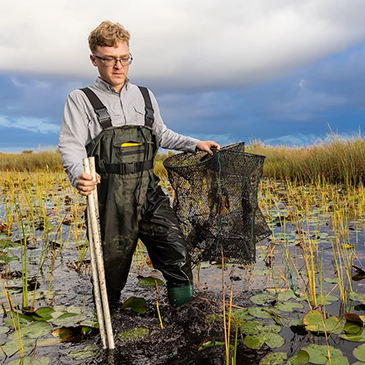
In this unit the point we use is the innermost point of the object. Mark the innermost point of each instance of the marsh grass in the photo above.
(308, 220)
(334, 161)
(337, 161)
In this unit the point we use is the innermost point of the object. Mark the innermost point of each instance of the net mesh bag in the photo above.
(216, 203)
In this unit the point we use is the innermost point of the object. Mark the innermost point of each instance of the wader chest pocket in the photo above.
(129, 148)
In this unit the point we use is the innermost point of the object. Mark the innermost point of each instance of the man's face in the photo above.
(115, 74)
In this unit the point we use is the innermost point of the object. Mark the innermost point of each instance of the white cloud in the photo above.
(30, 124)
(182, 43)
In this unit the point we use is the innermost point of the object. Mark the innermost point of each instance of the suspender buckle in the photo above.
(149, 113)
(104, 117)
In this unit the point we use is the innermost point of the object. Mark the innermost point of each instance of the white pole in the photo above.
(93, 218)
(99, 309)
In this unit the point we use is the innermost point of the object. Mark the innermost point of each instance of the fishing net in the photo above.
(216, 202)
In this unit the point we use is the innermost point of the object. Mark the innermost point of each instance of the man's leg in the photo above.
(119, 230)
(160, 232)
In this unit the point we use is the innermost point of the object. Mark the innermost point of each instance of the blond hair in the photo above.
(108, 34)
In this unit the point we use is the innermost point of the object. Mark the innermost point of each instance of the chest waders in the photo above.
(133, 206)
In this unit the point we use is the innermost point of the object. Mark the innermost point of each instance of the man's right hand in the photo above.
(85, 183)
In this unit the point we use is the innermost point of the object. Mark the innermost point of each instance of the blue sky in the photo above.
(283, 72)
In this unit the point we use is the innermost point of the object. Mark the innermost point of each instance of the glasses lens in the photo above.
(113, 61)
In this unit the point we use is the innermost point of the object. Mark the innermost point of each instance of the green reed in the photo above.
(336, 161)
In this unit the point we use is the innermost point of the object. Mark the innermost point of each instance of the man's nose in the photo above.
(118, 64)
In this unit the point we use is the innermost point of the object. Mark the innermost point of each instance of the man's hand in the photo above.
(206, 145)
(85, 183)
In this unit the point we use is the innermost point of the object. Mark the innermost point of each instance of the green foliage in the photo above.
(138, 305)
(319, 354)
(333, 162)
(150, 282)
(134, 334)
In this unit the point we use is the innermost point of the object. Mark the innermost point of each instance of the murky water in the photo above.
(187, 328)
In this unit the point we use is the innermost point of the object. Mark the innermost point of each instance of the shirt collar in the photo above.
(103, 85)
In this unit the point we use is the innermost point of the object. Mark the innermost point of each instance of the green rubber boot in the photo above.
(180, 295)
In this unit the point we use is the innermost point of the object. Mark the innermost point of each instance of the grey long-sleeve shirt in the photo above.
(80, 124)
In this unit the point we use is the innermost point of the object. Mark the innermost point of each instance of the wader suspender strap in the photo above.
(102, 112)
(148, 117)
(99, 108)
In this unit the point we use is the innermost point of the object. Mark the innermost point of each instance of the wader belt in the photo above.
(102, 112)
(128, 168)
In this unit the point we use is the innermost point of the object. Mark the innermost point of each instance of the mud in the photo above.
(185, 330)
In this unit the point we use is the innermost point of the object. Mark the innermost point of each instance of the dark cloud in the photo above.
(302, 104)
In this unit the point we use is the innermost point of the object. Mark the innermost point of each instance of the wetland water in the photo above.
(304, 267)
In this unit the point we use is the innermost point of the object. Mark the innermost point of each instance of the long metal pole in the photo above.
(93, 220)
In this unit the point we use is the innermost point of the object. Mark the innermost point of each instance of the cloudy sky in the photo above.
(279, 71)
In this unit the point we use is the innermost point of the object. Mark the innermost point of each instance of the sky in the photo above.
(282, 72)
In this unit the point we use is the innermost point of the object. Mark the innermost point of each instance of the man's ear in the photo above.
(93, 60)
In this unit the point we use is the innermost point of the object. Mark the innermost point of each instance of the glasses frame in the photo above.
(116, 60)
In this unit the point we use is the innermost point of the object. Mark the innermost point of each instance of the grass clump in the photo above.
(338, 161)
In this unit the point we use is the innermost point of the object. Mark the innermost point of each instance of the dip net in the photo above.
(216, 202)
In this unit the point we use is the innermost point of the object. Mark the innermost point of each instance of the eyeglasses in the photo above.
(111, 61)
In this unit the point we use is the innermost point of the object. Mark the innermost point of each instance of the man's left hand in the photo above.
(206, 146)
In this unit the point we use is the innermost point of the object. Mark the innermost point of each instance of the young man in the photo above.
(131, 204)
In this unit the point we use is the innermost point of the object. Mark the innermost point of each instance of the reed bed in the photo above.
(31, 161)
(338, 161)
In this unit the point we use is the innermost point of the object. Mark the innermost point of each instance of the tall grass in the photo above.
(31, 161)
(337, 161)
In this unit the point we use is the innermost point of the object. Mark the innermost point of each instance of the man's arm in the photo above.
(73, 137)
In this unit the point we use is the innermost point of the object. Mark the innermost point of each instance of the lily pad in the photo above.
(12, 347)
(88, 351)
(29, 360)
(286, 295)
(257, 335)
(262, 298)
(315, 323)
(138, 305)
(332, 280)
(209, 344)
(241, 315)
(4, 329)
(254, 327)
(353, 317)
(287, 307)
(275, 358)
(149, 282)
(272, 340)
(326, 299)
(352, 328)
(134, 334)
(338, 360)
(359, 352)
(66, 319)
(35, 329)
(259, 312)
(318, 354)
(301, 358)
(357, 297)
(354, 337)
(72, 334)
